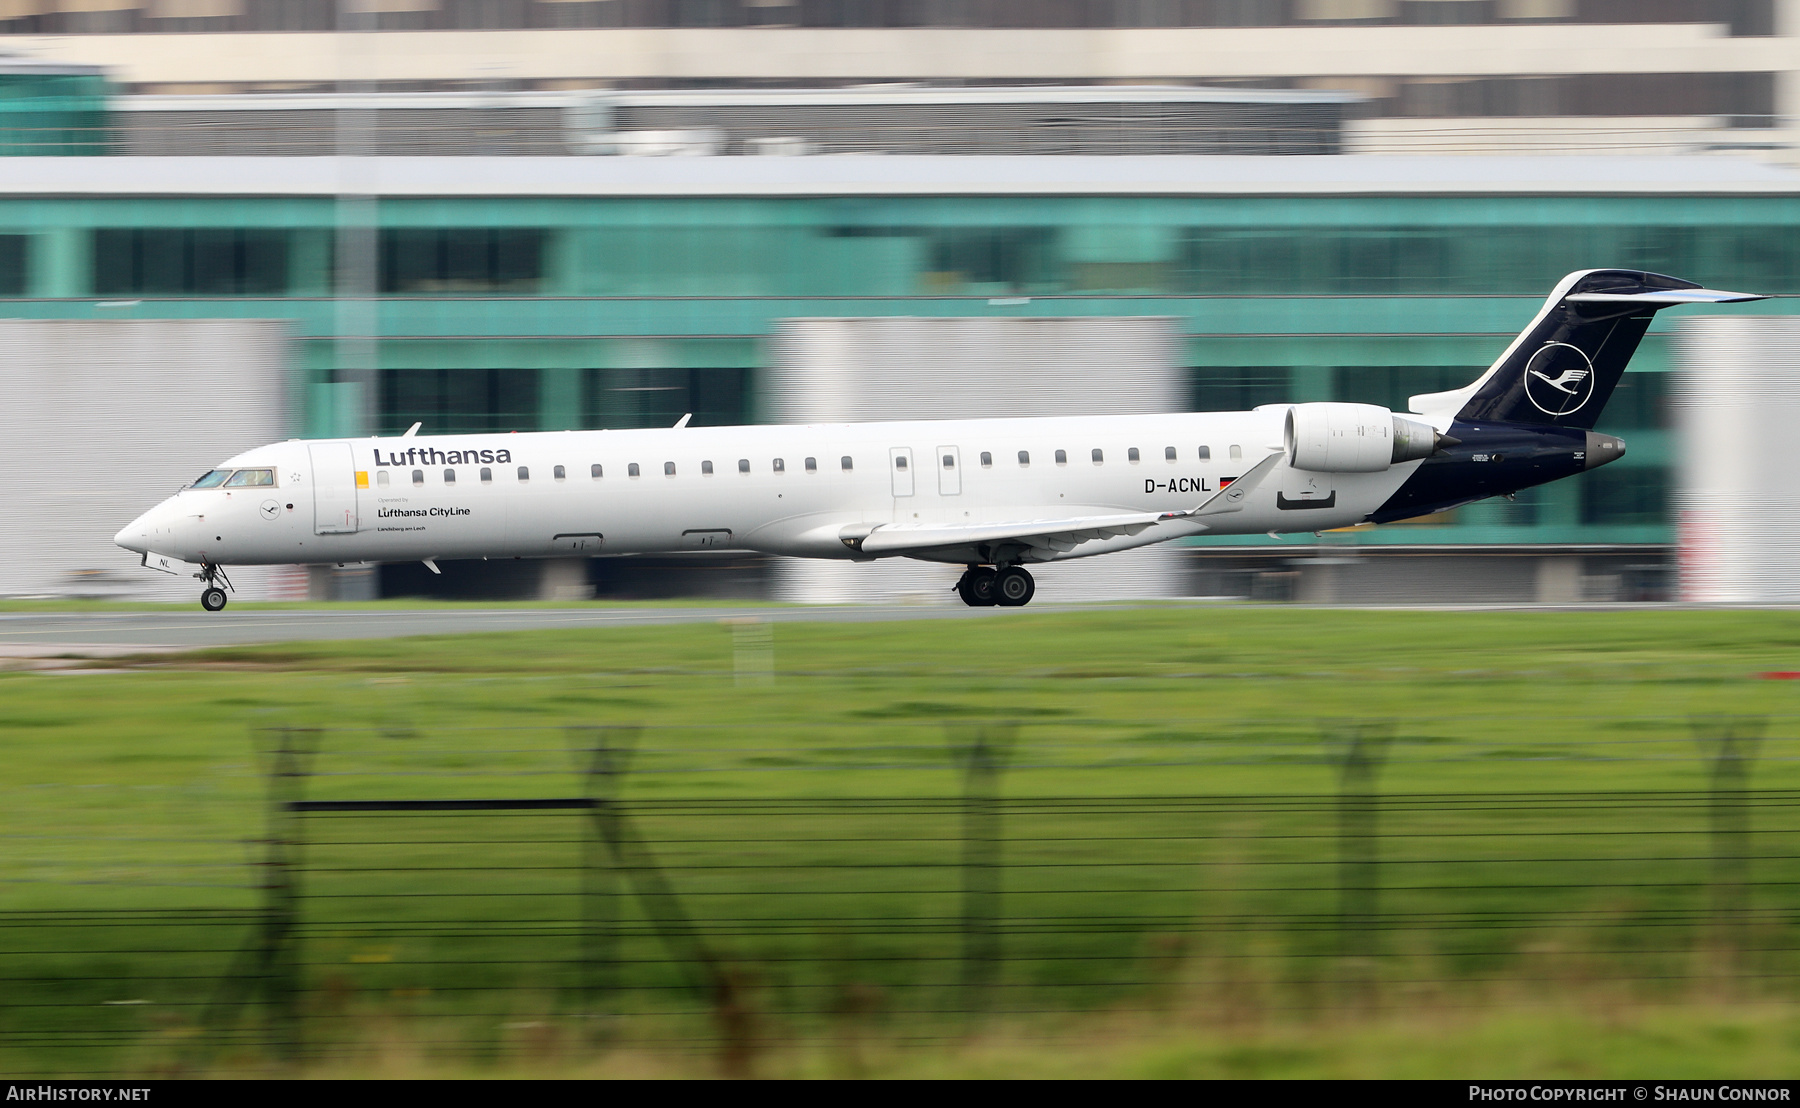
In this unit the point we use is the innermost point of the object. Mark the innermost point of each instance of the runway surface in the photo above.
(37, 634)
(99, 634)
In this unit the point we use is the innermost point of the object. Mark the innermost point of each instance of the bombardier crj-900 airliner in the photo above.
(994, 495)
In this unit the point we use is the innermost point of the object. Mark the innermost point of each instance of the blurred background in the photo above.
(230, 221)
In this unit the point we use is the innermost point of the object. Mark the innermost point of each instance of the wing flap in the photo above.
(1071, 531)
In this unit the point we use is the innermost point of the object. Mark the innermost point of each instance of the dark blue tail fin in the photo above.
(1562, 369)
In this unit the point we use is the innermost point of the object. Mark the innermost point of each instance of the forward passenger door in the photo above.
(334, 481)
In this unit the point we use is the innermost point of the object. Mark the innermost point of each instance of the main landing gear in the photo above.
(985, 586)
(213, 598)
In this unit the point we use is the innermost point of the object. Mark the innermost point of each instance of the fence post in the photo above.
(752, 651)
(605, 752)
(290, 760)
(1731, 743)
(982, 750)
(1362, 748)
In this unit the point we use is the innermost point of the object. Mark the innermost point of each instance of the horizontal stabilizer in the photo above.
(1664, 298)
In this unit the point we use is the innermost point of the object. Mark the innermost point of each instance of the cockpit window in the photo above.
(246, 477)
(211, 478)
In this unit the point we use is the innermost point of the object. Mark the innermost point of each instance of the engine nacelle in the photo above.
(1354, 438)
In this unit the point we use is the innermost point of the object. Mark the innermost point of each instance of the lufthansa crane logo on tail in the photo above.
(1559, 379)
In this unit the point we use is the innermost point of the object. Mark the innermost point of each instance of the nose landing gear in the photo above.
(985, 586)
(213, 597)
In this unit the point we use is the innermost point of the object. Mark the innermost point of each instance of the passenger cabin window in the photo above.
(381, 478)
(1132, 455)
(596, 472)
(1024, 458)
(1098, 456)
(743, 465)
(845, 464)
(487, 475)
(211, 479)
(1169, 453)
(559, 473)
(812, 465)
(418, 477)
(668, 469)
(251, 478)
(632, 470)
(524, 473)
(987, 459)
(1205, 453)
(706, 469)
(1237, 452)
(949, 461)
(780, 466)
(1062, 457)
(449, 477)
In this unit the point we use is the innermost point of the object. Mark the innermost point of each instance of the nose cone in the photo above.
(134, 536)
(152, 532)
(1602, 449)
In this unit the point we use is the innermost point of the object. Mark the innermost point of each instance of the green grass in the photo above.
(811, 827)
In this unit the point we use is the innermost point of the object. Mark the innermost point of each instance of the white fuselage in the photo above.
(776, 489)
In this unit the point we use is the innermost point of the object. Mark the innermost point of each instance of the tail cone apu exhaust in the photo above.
(1602, 449)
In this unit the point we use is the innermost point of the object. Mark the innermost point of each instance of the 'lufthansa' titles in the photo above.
(430, 456)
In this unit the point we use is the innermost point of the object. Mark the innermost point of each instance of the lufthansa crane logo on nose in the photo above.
(1559, 379)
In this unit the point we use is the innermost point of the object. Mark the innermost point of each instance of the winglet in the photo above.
(1231, 498)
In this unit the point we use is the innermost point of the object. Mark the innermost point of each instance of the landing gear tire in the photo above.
(977, 587)
(213, 599)
(1014, 587)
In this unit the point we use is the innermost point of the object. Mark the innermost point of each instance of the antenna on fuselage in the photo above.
(411, 431)
(682, 422)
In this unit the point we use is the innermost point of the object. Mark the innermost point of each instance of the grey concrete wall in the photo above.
(104, 418)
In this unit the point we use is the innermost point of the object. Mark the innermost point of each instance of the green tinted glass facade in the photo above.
(503, 314)
(49, 114)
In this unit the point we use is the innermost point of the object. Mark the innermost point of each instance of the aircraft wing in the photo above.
(1055, 535)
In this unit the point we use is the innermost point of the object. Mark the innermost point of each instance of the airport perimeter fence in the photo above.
(465, 892)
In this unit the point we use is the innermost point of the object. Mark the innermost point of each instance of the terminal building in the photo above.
(1435, 76)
